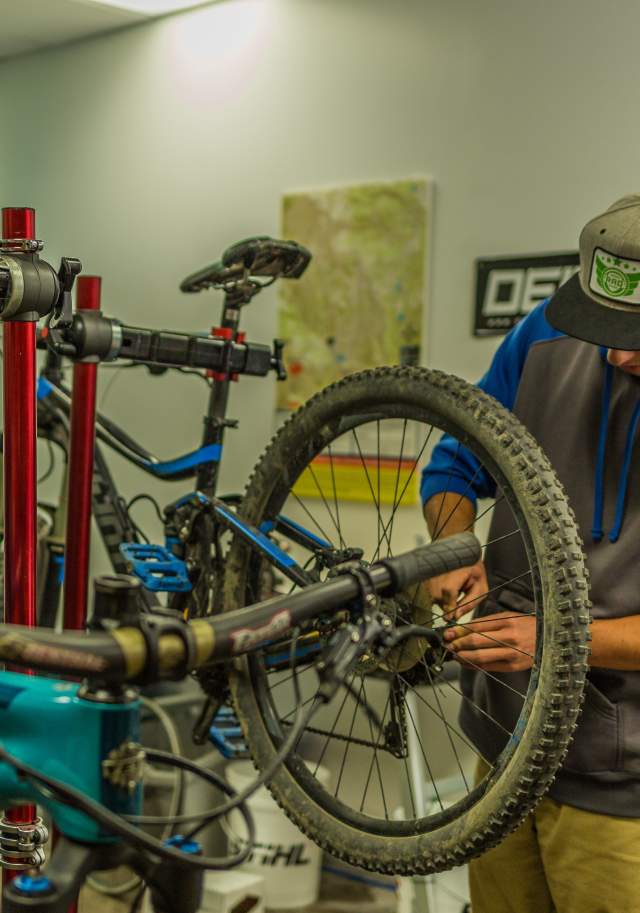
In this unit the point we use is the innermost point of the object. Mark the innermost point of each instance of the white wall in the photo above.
(147, 151)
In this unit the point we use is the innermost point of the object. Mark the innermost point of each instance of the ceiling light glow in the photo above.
(152, 7)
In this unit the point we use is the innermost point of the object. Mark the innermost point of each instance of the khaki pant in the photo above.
(561, 860)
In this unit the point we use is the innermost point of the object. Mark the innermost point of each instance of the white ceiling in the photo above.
(26, 25)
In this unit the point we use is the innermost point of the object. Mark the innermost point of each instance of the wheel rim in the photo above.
(273, 711)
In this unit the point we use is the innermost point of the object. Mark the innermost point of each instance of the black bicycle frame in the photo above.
(109, 508)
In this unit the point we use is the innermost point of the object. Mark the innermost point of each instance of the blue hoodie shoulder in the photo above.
(503, 377)
(453, 467)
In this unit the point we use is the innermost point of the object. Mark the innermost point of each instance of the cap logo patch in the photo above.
(615, 277)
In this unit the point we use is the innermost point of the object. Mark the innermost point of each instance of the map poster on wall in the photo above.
(360, 303)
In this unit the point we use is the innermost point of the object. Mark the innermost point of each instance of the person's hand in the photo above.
(504, 642)
(458, 592)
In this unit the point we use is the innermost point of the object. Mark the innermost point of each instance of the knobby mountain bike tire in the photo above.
(365, 814)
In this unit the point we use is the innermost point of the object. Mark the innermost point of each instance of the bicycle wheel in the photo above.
(402, 795)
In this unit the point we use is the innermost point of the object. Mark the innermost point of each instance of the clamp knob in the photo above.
(62, 309)
(277, 360)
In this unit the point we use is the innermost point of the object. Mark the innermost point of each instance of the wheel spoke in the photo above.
(324, 500)
(377, 503)
(475, 706)
(424, 757)
(434, 688)
(294, 709)
(311, 517)
(438, 529)
(333, 728)
(495, 589)
(348, 745)
(440, 716)
(445, 491)
(381, 730)
(484, 512)
(515, 532)
(377, 763)
(335, 498)
(408, 776)
(494, 678)
(405, 486)
(469, 626)
(397, 481)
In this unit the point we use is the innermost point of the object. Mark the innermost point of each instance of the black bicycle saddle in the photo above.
(250, 260)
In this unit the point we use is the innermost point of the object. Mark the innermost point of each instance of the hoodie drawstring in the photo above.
(598, 504)
(624, 479)
(597, 532)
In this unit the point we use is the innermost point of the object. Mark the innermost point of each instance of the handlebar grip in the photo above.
(450, 554)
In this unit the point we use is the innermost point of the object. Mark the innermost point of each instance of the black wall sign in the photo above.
(507, 288)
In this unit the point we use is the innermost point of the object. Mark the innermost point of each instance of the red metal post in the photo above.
(19, 461)
(83, 411)
(19, 376)
(80, 475)
(20, 505)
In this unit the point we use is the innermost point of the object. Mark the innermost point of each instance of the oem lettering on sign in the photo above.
(507, 288)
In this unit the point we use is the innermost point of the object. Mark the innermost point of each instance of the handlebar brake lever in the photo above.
(277, 360)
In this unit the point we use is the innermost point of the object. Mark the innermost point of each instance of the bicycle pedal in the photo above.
(158, 569)
(226, 734)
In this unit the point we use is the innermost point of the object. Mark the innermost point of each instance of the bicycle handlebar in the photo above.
(163, 646)
(162, 347)
(91, 335)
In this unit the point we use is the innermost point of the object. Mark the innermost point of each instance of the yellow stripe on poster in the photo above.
(350, 478)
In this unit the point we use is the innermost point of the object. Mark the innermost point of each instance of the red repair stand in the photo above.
(19, 461)
(81, 450)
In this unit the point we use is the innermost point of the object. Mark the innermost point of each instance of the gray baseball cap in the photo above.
(601, 303)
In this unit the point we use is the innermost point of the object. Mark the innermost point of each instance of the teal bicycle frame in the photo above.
(50, 725)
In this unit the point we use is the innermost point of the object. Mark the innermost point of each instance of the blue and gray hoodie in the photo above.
(585, 415)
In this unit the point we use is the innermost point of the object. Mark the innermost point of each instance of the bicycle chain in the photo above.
(341, 738)
(398, 722)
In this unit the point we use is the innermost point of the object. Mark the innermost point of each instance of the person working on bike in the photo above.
(571, 372)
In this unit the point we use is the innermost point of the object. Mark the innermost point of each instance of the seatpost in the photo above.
(80, 475)
(19, 464)
(214, 423)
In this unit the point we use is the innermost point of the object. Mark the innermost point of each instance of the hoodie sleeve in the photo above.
(453, 467)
